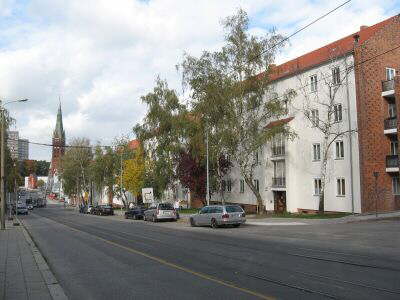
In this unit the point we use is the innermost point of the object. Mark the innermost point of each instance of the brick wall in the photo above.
(372, 109)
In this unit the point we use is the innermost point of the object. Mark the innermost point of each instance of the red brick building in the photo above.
(58, 143)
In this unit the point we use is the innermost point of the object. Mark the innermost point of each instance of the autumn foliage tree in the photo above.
(134, 172)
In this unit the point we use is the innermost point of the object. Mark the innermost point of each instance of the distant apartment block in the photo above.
(19, 148)
(12, 143)
(23, 149)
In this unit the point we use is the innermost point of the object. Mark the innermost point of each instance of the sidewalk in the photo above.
(24, 274)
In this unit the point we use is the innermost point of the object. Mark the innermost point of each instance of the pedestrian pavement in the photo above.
(24, 274)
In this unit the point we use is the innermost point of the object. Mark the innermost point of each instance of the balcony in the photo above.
(388, 88)
(390, 126)
(277, 152)
(278, 182)
(392, 163)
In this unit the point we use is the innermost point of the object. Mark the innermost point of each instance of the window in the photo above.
(205, 210)
(317, 186)
(233, 208)
(315, 117)
(396, 185)
(257, 184)
(229, 185)
(339, 150)
(392, 110)
(316, 152)
(336, 75)
(313, 82)
(394, 147)
(337, 110)
(278, 145)
(241, 185)
(340, 187)
(390, 73)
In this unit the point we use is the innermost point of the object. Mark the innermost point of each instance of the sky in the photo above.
(100, 56)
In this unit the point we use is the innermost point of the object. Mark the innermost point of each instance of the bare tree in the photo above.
(324, 110)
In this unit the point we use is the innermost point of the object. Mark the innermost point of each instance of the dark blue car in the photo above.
(135, 213)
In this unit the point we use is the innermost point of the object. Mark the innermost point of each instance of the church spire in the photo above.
(59, 131)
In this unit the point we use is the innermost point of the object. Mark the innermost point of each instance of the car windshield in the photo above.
(106, 206)
(165, 206)
(233, 208)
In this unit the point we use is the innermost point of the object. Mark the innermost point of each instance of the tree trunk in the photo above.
(321, 207)
(256, 193)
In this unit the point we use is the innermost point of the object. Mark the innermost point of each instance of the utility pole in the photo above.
(3, 199)
(120, 178)
(208, 176)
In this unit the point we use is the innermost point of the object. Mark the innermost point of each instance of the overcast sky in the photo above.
(100, 56)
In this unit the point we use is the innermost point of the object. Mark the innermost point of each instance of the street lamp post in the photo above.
(3, 199)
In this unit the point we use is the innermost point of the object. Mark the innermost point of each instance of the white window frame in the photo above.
(396, 189)
(339, 149)
(338, 113)
(336, 75)
(313, 83)
(315, 181)
(390, 73)
(315, 157)
(340, 187)
(315, 117)
(241, 188)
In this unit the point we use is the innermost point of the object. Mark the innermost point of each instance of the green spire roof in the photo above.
(59, 131)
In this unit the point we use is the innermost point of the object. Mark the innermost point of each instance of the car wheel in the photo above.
(154, 219)
(192, 222)
(214, 223)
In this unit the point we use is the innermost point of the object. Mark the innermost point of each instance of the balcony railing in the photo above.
(391, 123)
(278, 151)
(278, 181)
(392, 161)
(387, 85)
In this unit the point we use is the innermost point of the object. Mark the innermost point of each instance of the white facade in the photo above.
(296, 165)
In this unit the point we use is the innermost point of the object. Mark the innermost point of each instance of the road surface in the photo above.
(102, 258)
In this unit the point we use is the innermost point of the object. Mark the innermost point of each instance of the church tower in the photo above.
(58, 143)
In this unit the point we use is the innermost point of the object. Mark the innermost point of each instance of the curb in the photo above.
(55, 289)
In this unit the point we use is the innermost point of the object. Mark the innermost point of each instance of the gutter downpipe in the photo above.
(350, 136)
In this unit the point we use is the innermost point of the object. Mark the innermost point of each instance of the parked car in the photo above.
(218, 215)
(104, 210)
(30, 206)
(22, 209)
(89, 209)
(135, 213)
(94, 210)
(161, 211)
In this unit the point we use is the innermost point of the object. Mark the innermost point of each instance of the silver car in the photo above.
(161, 211)
(218, 215)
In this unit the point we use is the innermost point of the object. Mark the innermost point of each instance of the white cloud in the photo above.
(101, 56)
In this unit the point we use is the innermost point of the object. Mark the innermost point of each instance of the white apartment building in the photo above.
(288, 174)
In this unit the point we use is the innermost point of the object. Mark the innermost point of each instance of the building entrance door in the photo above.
(279, 202)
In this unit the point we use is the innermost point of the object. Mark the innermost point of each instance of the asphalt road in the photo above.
(102, 258)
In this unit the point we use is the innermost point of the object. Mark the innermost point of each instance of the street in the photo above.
(102, 258)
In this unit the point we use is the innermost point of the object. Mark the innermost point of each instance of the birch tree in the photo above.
(230, 90)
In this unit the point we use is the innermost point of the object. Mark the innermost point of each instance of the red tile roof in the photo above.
(332, 50)
(134, 144)
(279, 122)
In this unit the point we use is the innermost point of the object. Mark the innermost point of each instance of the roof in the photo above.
(332, 50)
(134, 144)
(279, 122)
